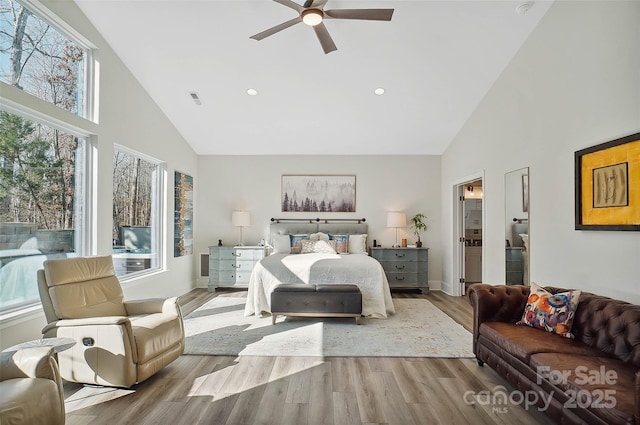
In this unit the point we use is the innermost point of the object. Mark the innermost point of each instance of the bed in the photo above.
(320, 268)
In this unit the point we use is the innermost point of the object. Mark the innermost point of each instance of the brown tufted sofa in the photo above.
(607, 342)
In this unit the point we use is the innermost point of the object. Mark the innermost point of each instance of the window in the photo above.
(44, 165)
(137, 206)
(42, 189)
(40, 59)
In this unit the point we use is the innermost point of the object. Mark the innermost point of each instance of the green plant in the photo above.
(418, 225)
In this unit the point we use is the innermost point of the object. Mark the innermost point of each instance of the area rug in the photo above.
(418, 329)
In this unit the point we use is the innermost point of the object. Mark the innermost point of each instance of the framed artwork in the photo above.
(525, 193)
(183, 215)
(318, 193)
(607, 193)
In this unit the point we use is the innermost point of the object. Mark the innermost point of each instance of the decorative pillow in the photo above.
(342, 242)
(322, 246)
(319, 236)
(296, 243)
(552, 312)
(357, 244)
(281, 244)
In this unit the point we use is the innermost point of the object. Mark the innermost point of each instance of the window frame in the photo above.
(89, 90)
(158, 216)
(83, 164)
(82, 124)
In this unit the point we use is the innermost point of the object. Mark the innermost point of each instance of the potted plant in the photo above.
(418, 225)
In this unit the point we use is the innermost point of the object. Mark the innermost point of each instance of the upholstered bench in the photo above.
(300, 299)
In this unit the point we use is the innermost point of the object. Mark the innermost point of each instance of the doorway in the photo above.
(468, 234)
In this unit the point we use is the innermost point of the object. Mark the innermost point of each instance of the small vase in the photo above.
(419, 243)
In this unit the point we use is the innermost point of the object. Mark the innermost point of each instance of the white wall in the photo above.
(129, 117)
(383, 183)
(573, 84)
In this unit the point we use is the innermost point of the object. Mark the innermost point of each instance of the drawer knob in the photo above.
(239, 254)
(399, 277)
(400, 267)
(399, 255)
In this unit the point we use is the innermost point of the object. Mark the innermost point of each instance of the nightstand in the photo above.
(231, 266)
(405, 268)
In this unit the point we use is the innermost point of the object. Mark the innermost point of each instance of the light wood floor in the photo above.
(305, 390)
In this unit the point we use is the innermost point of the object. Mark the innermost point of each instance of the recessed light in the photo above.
(379, 91)
(252, 92)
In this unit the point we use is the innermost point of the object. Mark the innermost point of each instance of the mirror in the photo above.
(517, 246)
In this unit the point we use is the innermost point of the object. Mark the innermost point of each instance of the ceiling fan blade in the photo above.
(293, 5)
(318, 4)
(365, 14)
(325, 39)
(277, 28)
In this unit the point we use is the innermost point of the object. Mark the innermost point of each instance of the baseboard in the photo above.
(435, 285)
(202, 282)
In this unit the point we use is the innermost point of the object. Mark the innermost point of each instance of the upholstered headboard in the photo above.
(293, 228)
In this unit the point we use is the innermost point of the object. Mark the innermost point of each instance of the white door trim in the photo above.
(458, 187)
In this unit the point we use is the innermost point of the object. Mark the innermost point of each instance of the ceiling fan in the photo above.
(312, 13)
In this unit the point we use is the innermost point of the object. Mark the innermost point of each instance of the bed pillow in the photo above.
(320, 246)
(552, 312)
(357, 244)
(342, 243)
(281, 244)
(319, 236)
(296, 242)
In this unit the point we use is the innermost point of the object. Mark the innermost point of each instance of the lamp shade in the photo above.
(396, 219)
(241, 218)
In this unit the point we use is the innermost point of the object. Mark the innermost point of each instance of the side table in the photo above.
(58, 344)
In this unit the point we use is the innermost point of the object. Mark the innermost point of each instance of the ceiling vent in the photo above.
(195, 98)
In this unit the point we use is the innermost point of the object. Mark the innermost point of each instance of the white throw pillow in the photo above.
(358, 244)
(281, 244)
(319, 236)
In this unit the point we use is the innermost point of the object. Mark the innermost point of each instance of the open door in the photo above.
(468, 242)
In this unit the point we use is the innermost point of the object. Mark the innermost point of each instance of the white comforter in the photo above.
(316, 268)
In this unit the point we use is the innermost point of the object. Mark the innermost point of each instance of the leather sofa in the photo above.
(31, 388)
(118, 343)
(593, 378)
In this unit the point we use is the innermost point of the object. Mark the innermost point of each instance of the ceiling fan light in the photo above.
(312, 17)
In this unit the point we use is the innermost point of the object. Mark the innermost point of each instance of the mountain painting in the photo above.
(318, 193)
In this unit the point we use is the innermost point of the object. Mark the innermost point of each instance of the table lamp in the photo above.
(241, 219)
(396, 220)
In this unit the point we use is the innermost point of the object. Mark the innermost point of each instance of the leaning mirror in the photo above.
(517, 244)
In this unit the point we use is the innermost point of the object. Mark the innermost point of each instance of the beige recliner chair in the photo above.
(31, 388)
(118, 343)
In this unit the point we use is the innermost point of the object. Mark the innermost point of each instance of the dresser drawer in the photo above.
(398, 255)
(249, 254)
(401, 266)
(222, 252)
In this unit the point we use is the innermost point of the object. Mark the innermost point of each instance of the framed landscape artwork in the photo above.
(606, 197)
(183, 215)
(318, 193)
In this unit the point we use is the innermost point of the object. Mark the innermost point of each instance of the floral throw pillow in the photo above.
(319, 246)
(552, 312)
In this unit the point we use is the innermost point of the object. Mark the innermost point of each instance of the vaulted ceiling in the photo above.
(435, 60)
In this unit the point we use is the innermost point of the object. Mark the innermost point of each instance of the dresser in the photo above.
(404, 267)
(514, 265)
(231, 266)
